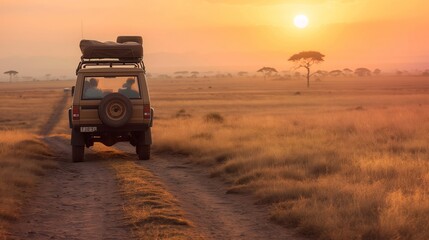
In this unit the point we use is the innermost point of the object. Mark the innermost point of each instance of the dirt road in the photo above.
(76, 201)
(81, 200)
(218, 215)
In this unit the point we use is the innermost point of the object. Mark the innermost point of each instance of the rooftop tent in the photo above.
(123, 39)
(126, 47)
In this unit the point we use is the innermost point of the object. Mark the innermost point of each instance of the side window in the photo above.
(98, 87)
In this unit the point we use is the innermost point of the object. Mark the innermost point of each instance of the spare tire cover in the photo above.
(115, 110)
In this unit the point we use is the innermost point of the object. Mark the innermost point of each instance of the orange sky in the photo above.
(42, 36)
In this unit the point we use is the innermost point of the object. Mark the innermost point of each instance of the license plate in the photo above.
(88, 129)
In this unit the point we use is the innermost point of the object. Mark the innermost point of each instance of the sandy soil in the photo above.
(81, 200)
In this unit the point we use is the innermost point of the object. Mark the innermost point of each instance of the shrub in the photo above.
(214, 118)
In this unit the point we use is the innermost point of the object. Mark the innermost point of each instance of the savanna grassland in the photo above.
(346, 159)
(24, 158)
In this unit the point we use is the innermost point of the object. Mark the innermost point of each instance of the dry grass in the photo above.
(347, 159)
(28, 105)
(151, 211)
(23, 159)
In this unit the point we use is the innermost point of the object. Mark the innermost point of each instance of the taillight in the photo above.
(146, 111)
(76, 112)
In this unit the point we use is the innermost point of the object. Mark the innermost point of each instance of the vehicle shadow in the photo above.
(98, 153)
(109, 155)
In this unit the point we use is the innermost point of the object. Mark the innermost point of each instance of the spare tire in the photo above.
(115, 110)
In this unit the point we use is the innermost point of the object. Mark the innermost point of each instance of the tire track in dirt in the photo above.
(216, 214)
(76, 200)
(55, 116)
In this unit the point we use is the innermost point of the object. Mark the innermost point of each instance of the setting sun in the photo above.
(300, 21)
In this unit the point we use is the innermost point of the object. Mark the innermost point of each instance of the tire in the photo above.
(115, 110)
(78, 153)
(143, 151)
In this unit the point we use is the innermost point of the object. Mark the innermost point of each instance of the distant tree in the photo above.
(11, 73)
(348, 71)
(181, 72)
(306, 60)
(48, 76)
(377, 72)
(336, 73)
(321, 73)
(267, 71)
(164, 76)
(194, 74)
(297, 75)
(363, 72)
(242, 74)
(399, 73)
(426, 73)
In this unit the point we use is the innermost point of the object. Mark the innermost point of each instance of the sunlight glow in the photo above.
(301, 21)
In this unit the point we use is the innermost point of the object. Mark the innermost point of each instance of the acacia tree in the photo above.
(348, 71)
(363, 72)
(336, 73)
(377, 72)
(194, 74)
(306, 60)
(267, 71)
(11, 74)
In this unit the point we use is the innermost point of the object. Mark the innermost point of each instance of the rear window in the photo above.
(98, 87)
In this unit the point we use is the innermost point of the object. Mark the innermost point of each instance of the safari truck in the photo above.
(111, 101)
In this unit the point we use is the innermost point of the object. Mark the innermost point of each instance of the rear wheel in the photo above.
(77, 153)
(143, 151)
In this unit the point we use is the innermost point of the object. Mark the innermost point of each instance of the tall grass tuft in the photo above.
(214, 118)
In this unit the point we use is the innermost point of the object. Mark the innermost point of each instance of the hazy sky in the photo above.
(42, 36)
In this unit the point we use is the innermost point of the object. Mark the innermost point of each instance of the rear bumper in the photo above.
(109, 136)
(106, 129)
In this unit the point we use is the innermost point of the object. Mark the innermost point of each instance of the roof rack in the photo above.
(136, 62)
(127, 50)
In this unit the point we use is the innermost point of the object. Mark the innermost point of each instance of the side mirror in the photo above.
(72, 91)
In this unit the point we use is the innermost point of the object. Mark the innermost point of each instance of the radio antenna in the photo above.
(81, 27)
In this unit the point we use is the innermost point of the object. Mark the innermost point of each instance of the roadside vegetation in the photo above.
(345, 160)
(24, 158)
